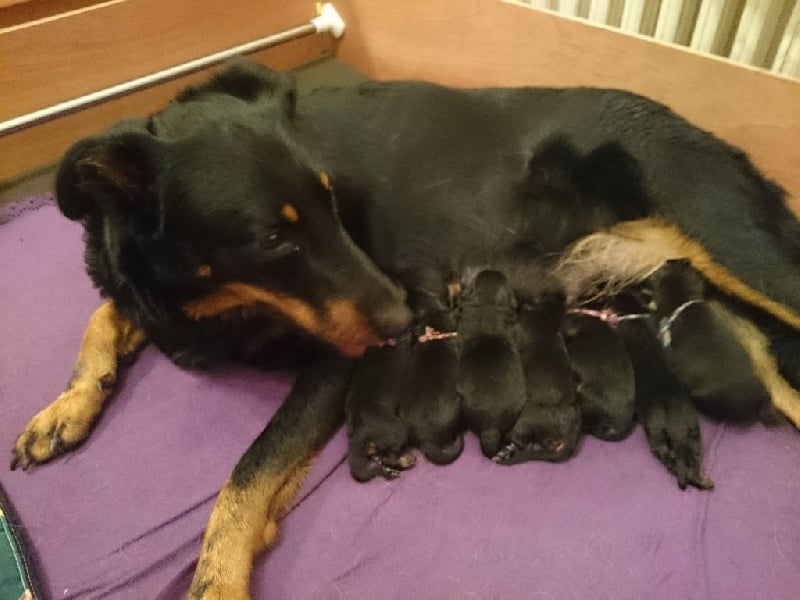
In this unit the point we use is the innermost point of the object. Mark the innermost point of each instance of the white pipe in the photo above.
(327, 21)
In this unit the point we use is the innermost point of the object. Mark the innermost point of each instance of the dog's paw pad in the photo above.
(57, 429)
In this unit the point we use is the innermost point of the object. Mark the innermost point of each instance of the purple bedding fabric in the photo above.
(122, 516)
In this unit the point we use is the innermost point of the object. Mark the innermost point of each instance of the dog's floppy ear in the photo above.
(102, 170)
(249, 81)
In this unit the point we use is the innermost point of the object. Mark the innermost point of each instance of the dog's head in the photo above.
(213, 204)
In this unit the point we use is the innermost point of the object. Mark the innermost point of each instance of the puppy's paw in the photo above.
(686, 463)
(373, 461)
(505, 453)
(673, 433)
(443, 454)
(58, 428)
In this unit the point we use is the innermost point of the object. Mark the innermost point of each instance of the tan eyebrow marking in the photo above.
(203, 271)
(325, 179)
(289, 213)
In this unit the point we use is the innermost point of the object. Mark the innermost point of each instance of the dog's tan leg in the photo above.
(244, 520)
(67, 422)
(784, 397)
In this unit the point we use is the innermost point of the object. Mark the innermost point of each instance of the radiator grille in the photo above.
(761, 33)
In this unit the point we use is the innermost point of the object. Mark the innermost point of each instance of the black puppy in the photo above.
(703, 352)
(430, 405)
(378, 436)
(603, 373)
(491, 382)
(548, 427)
(663, 407)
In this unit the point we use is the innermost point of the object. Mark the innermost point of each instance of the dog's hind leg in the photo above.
(109, 338)
(603, 263)
(784, 398)
(244, 519)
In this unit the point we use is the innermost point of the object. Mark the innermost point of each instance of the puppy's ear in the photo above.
(102, 171)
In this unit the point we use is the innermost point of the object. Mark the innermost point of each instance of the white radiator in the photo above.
(762, 33)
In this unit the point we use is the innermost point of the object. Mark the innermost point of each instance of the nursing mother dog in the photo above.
(243, 217)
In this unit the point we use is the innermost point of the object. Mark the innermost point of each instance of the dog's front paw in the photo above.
(207, 589)
(57, 429)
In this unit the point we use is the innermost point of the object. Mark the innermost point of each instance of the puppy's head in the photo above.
(673, 284)
(232, 214)
(491, 289)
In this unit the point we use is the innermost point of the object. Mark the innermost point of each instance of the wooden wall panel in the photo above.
(28, 149)
(52, 60)
(489, 42)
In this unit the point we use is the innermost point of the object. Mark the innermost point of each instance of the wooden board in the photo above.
(474, 43)
(53, 60)
(89, 50)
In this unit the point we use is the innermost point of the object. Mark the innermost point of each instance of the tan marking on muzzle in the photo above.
(339, 323)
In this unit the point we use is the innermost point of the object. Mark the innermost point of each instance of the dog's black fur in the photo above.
(430, 404)
(190, 206)
(379, 443)
(703, 353)
(490, 380)
(663, 407)
(604, 376)
(549, 425)
(149, 194)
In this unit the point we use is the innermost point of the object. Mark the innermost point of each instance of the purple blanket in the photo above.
(122, 516)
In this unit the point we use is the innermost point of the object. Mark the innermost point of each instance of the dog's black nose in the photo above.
(392, 321)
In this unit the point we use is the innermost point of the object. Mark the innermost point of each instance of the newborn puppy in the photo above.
(430, 405)
(603, 373)
(378, 436)
(670, 420)
(704, 354)
(490, 382)
(548, 427)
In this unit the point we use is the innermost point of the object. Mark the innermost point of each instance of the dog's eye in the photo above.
(273, 239)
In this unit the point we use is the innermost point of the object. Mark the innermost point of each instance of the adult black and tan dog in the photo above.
(241, 214)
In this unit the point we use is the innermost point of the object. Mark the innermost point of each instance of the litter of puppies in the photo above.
(530, 374)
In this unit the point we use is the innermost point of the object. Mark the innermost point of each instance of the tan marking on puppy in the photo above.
(289, 213)
(244, 522)
(630, 251)
(69, 419)
(339, 322)
(784, 398)
(203, 271)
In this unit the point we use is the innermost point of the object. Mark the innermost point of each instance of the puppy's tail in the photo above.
(603, 263)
